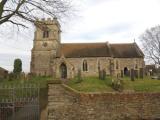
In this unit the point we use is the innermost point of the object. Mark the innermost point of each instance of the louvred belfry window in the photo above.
(45, 34)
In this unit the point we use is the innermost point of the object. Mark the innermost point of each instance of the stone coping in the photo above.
(70, 89)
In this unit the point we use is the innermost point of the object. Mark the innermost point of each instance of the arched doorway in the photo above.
(63, 70)
(126, 72)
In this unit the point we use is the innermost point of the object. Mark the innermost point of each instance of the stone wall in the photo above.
(73, 64)
(129, 63)
(67, 104)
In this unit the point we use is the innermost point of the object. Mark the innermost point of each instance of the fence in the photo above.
(19, 102)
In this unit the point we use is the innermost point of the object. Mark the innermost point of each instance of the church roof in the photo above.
(76, 50)
(128, 50)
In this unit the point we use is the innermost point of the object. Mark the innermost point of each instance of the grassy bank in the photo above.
(93, 84)
(142, 85)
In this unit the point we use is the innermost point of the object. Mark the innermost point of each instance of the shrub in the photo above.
(11, 76)
(17, 66)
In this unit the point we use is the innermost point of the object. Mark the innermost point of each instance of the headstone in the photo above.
(122, 73)
(132, 75)
(129, 73)
(102, 74)
(141, 73)
(136, 73)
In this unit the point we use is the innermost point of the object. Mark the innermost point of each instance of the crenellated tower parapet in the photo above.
(45, 45)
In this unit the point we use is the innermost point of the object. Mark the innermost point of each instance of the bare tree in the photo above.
(18, 11)
(151, 44)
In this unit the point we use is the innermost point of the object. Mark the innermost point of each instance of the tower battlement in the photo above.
(46, 44)
(48, 21)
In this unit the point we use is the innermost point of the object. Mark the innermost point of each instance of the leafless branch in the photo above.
(151, 44)
(30, 10)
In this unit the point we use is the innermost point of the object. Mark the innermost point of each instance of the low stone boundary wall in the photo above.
(64, 103)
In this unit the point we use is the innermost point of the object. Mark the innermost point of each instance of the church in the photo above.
(50, 57)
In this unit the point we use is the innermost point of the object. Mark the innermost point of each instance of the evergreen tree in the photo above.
(17, 66)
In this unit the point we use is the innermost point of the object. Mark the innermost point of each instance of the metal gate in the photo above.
(19, 102)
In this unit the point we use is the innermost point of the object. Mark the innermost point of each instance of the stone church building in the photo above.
(50, 57)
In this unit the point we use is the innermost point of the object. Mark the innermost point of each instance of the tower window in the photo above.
(85, 66)
(46, 34)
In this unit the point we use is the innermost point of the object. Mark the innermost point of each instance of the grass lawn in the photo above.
(142, 85)
(93, 84)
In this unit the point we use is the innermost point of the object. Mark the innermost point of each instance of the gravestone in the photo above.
(122, 74)
(132, 75)
(141, 73)
(136, 73)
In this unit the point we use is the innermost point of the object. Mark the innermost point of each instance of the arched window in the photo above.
(45, 34)
(85, 66)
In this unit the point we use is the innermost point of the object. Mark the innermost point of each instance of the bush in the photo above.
(11, 76)
(17, 66)
(15, 76)
(30, 76)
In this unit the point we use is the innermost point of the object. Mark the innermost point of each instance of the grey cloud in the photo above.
(120, 27)
(95, 2)
(112, 30)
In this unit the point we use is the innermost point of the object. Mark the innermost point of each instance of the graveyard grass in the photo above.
(142, 85)
(93, 84)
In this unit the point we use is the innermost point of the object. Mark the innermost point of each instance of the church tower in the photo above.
(45, 45)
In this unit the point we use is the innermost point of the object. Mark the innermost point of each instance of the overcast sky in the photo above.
(115, 21)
